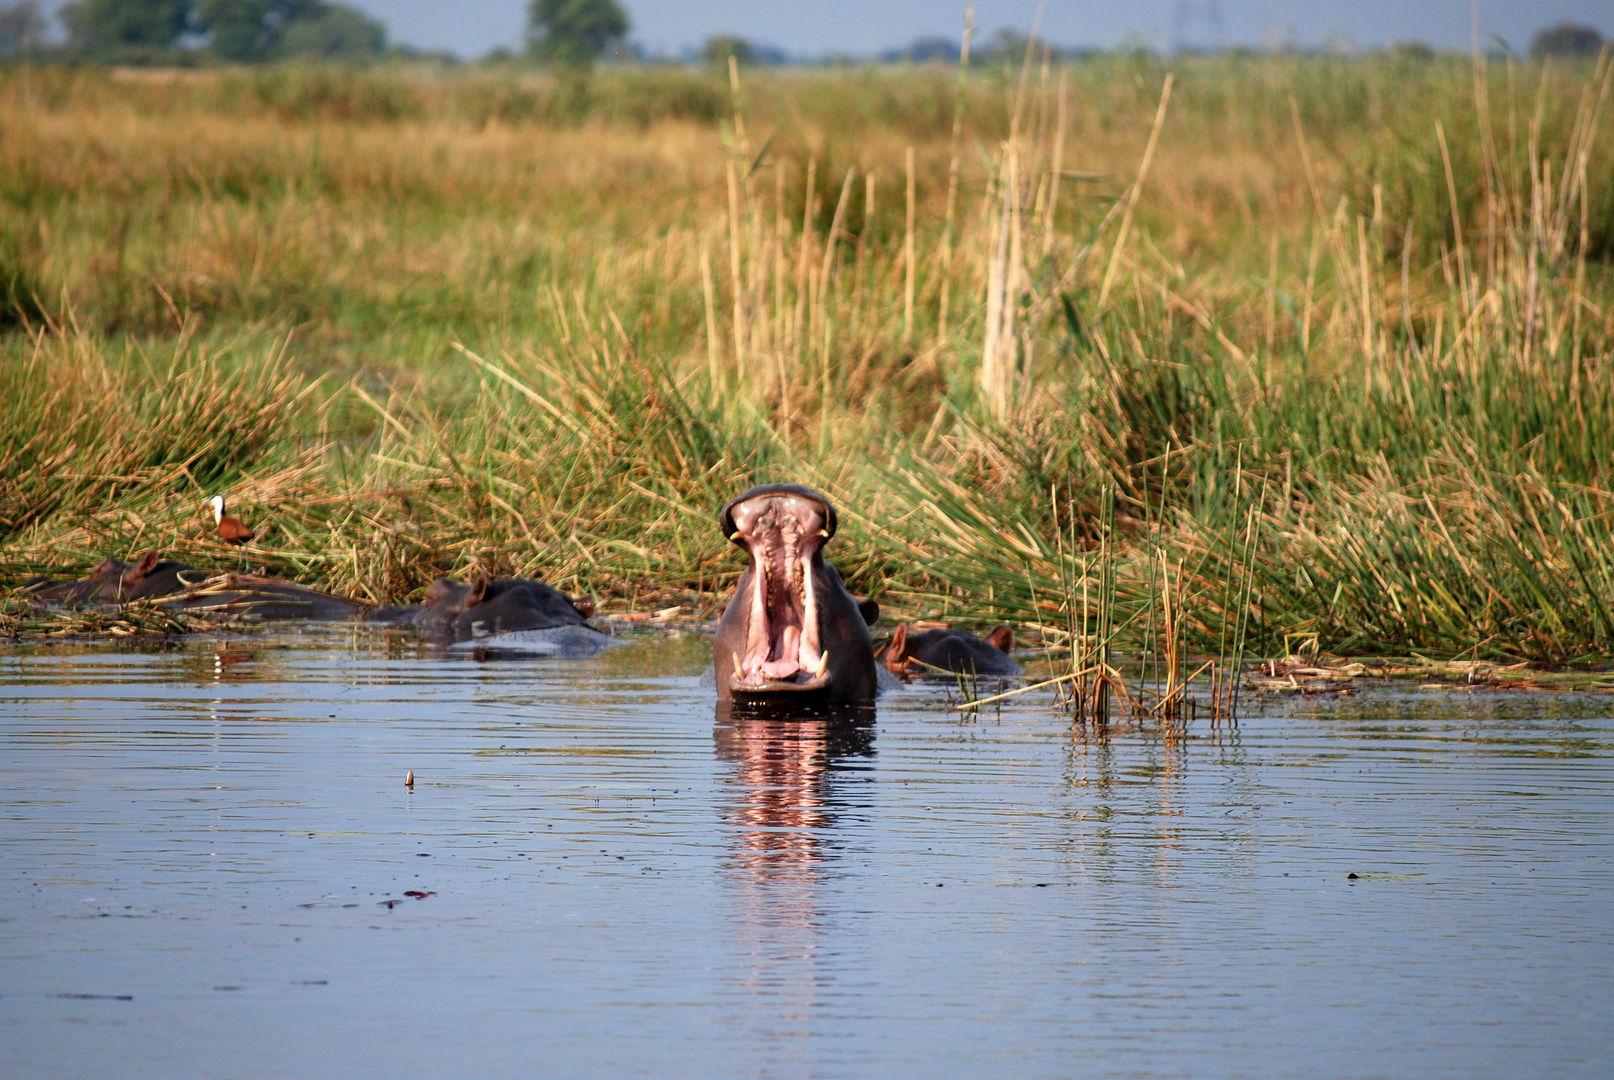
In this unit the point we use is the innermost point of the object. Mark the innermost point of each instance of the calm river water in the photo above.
(212, 868)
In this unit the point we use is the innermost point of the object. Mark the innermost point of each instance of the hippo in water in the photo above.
(114, 581)
(791, 628)
(956, 651)
(178, 585)
(263, 598)
(455, 612)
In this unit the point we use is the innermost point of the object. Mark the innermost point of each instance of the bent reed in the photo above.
(1236, 352)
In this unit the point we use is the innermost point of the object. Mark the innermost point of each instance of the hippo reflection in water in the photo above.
(791, 628)
(494, 606)
(942, 651)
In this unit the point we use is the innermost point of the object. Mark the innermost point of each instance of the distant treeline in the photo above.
(180, 31)
(570, 32)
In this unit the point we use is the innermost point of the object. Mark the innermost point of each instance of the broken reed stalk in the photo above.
(908, 268)
(1054, 175)
(777, 331)
(952, 177)
(1133, 194)
(864, 237)
(713, 367)
(736, 280)
(827, 264)
(803, 248)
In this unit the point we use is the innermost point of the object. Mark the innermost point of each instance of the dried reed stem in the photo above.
(1132, 196)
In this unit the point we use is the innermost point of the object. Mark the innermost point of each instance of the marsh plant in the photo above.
(1159, 361)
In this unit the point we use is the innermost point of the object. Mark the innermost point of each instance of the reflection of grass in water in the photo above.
(1325, 409)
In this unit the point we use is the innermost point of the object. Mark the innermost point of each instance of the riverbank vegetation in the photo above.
(1317, 348)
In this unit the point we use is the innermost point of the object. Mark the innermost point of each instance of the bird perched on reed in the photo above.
(232, 530)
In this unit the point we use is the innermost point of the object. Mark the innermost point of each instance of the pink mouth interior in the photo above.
(782, 533)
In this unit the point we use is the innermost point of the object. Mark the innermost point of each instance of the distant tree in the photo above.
(574, 32)
(1417, 52)
(118, 29)
(1566, 39)
(239, 30)
(22, 28)
(251, 30)
(717, 49)
(924, 50)
(335, 32)
(1008, 46)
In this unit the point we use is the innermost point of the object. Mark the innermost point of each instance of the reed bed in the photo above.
(1198, 362)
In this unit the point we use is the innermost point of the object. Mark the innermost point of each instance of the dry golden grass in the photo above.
(539, 326)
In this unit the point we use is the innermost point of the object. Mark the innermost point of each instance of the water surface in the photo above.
(209, 853)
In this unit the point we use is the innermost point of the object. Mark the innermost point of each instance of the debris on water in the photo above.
(1352, 877)
(417, 894)
(409, 778)
(1335, 675)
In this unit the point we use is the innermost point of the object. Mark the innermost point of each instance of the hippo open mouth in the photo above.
(782, 531)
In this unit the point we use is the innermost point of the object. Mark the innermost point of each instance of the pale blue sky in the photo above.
(861, 27)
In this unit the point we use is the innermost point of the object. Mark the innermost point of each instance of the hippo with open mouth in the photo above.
(792, 628)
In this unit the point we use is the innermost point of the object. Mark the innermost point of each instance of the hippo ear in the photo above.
(895, 657)
(869, 610)
(479, 591)
(1001, 639)
(147, 563)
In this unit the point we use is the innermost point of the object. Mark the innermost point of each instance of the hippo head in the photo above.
(115, 580)
(491, 605)
(791, 628)
(941, 650)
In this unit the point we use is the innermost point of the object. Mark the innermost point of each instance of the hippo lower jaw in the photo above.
(801, 682)
(783, 651)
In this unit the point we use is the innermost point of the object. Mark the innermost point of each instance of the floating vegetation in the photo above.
(138, 620)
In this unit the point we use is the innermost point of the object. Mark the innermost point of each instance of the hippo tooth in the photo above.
(739, 669)
(823, 663)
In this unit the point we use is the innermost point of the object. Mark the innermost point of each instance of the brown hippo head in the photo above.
(458, 612)
(114, 581)
(940, 650)
(791, 628)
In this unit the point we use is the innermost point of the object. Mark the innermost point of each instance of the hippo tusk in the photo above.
(823, 663)
(739, 670)
(824, 533)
